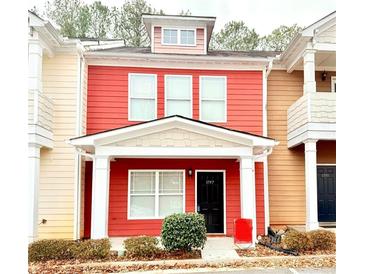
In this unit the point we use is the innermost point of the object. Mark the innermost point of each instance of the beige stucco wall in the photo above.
(57, 165)
(286, 166)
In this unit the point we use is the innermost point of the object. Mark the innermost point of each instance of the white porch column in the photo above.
(33, 190)
(309, 71)
(311, 184)
(247, 192)
(100, 197)
(35, 53)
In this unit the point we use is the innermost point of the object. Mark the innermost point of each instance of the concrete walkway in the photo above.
(219, 248)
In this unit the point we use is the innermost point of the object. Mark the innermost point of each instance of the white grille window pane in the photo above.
(142, 86)
(171, 182)
(143, 182)
(170, 204)
(213, 88)
(170, 36)
(142, 206)
(178, 107)
(187, 37)
(143, 109)
(178, 87)
(213, 110)
(178, 95)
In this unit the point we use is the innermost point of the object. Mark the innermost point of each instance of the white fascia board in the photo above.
(173, 122)
(181, 152)
(324, 46)
(175, 64)
(324, 23)
(151, 56)
(146, 18)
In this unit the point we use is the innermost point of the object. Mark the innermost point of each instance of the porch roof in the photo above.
(233, 139)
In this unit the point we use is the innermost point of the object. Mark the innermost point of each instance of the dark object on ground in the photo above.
(275, 237)
(286, 251)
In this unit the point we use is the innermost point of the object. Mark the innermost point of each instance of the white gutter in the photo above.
(96, 54)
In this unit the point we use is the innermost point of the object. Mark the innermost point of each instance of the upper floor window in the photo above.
(184, 37)
(142, 97)
(213, 98)
(178, 95)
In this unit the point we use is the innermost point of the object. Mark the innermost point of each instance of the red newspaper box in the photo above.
(242, 231)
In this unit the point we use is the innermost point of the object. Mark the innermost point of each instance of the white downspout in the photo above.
(78, 131)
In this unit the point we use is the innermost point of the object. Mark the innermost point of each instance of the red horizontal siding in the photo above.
(118, 195)
(107, 100)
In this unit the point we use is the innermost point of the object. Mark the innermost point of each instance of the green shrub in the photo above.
(296, 240)
(93, 249)
(322, 239)
(143, 246)
(184, 231)
(44, 250)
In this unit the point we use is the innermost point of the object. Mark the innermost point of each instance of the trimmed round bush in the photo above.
(322, 239)
(184, 231)
(296, 240)
(143, 246)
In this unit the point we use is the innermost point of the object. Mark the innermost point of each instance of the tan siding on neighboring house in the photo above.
(324, 85)
(286, 166)
(326, 152)
(57, 165)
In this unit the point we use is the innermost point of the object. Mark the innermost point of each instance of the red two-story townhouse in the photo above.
(174, 128)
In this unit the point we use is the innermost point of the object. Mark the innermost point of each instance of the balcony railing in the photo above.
(317, 107)
(40, 110)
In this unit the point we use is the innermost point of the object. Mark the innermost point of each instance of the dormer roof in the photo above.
(179, 20)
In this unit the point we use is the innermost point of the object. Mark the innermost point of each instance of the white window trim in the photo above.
(156, 217)
(225, 98)
(224, 194)
(191, 92)
(178, 37)
(333, 83)
(129, 95)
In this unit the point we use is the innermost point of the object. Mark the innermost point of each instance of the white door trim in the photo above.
(224, 194)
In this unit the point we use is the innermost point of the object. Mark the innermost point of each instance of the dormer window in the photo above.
(182, 37)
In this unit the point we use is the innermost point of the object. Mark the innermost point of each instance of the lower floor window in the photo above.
(155, 194)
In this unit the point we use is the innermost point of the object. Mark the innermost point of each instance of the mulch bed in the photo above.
(263, 251)
(163, 255)
(53, 267)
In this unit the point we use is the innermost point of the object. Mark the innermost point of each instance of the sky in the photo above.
(262, 15)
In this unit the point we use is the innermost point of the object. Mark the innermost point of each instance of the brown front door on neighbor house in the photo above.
(326, 188)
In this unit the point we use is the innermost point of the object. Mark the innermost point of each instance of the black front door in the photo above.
(326, 188)
(210, 200)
